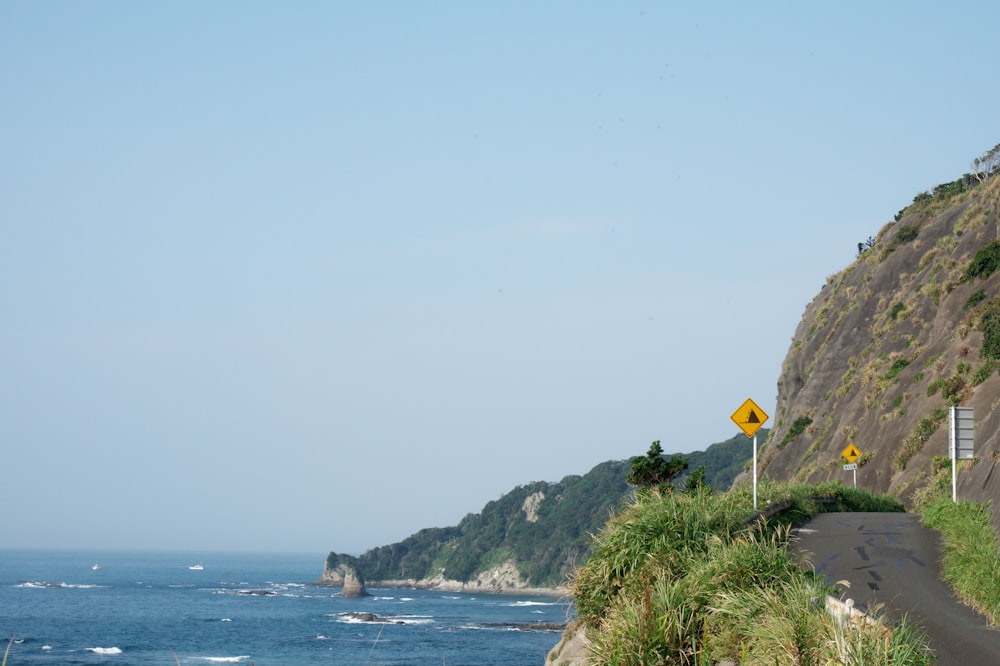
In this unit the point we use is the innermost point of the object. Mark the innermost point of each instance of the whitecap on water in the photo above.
(356, 617)
(64, 586)
(105, 651)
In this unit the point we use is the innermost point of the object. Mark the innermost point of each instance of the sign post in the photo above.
(960, 442)
(749, 417)
(851, 455)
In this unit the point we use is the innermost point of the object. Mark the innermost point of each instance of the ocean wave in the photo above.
(247, 593)
(104, 650)
(519, 604)
(225, 660)
(66, 586)
(412, 619)
(364, 617)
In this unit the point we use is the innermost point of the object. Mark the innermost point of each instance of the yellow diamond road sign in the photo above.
(851, 454)
(749, 417)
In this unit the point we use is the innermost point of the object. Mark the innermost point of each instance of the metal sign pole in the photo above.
(953, 452)
(855, 470)
(749, 417)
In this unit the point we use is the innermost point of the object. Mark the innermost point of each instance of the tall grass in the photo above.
(971, 562)
(685, 579)
(869, 644)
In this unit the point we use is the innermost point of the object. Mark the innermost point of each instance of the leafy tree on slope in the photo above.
(653, 469)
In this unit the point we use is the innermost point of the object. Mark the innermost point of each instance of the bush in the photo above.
(798, 427)
(989, 324)
(986, 261)
(897, 367)
(983, 372)
(975, 299)
(906, 233)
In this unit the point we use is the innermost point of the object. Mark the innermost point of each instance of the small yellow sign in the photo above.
(851, 454)
(749, 417)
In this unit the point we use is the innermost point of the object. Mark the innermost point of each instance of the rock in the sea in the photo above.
(345, 575)
(353, 586)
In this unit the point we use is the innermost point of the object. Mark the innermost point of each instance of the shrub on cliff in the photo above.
(682, 579)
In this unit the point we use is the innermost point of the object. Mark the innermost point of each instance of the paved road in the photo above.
(892, 560)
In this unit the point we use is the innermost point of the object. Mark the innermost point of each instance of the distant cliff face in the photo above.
(345, 576)
(908, 330)
(532, 537)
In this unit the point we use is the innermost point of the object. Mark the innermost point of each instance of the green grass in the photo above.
(684, 579)
(971, 561)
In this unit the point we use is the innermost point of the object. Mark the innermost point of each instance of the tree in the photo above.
(696, 481)
(653, 469)
(986, 164)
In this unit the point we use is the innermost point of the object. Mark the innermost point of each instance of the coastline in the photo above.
(445, 585)
(502, 579)
(470, 587)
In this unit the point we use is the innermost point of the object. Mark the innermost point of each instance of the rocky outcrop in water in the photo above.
(347, 578)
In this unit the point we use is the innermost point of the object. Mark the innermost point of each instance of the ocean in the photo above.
(66, 607)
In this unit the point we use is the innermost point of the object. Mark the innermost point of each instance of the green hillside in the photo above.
(544, 528)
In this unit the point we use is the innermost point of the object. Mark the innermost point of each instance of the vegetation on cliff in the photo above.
(909, 329)
(681, 578)
(544, 528)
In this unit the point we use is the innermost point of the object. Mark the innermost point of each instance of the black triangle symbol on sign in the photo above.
(753, 418)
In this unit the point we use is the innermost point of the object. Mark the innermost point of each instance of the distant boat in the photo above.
(96, 567)
(196, 567)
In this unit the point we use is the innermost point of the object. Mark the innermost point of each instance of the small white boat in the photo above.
(96, 567)
(196, 567)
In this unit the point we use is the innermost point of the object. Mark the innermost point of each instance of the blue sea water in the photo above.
(152, 608)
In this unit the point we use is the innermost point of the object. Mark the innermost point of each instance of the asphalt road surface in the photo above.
(892, 563)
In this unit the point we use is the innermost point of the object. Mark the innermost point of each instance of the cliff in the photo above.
(345, 576)
(887, 346)
(909, 329)
(529, 540)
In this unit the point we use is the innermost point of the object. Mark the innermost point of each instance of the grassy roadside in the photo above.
(971, 561)
(681, 579)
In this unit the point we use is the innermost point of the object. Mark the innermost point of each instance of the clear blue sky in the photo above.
(312, 276)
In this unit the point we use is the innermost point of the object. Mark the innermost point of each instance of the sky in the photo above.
(313, 276)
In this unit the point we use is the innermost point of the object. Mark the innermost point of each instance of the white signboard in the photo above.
(961, 434)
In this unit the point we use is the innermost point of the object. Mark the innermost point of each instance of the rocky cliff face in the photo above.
(347, 578)
(500, 579)
(908, 330)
